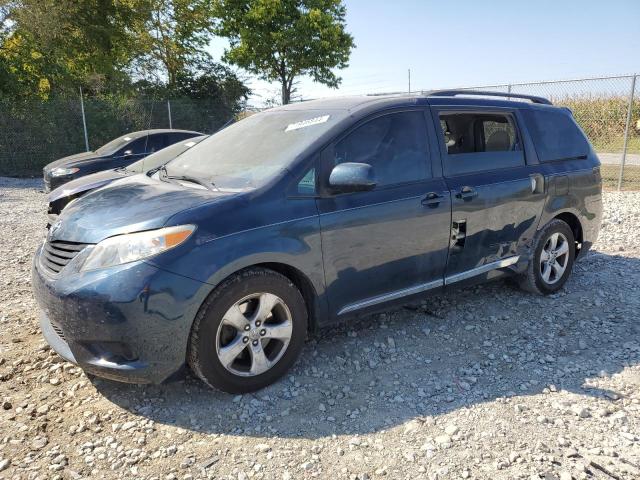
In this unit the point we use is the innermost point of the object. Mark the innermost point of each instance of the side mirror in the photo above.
(352, 177)
(127, 153)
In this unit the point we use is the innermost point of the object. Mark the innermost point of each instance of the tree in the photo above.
(57, 45)
(281, 40)
(214, 93)
(173, 36)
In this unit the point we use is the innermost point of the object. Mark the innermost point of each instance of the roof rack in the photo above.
(454, 93)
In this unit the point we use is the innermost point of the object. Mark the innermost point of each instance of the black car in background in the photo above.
(120, 152)
(63, 195)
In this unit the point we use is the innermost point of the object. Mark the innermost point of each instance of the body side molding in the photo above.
(505, 262)
(369, 302)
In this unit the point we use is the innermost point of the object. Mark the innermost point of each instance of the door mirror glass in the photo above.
(352, 177)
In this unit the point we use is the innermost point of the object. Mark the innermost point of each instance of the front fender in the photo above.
(294, 243)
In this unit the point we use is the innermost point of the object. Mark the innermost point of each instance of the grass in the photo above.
(630, 179)
(614, 145)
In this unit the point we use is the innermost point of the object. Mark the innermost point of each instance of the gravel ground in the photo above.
(487, 382)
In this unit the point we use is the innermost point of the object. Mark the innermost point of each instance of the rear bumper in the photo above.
(129, 323)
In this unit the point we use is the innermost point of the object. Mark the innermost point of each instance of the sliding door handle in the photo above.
(432, 199)
(467, 193)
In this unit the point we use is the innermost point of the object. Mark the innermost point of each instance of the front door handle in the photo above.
(432, 199)
(467, 193)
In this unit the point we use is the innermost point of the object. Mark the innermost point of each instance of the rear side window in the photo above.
(178, 136)
(395, 145)
(156, 142)
(136, 147)
(478, 142)
(556, 135)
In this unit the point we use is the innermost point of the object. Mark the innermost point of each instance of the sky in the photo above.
(459, 43)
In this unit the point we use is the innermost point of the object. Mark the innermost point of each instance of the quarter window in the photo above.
(395, 145)
(480, 141)
(307, 186)
(556, 135)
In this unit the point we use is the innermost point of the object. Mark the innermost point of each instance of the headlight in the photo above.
(135, 246)
(62, 171)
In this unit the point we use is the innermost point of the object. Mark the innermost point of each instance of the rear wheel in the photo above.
(553, 257)
(249, 332)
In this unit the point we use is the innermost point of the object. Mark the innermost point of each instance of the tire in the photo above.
(546, 279)
(225, 354)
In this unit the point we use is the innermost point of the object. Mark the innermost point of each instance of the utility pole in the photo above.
(409, 71)
(84, 122)
(626, 131)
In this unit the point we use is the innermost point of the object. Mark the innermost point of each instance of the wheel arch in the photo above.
(311, 291)
(576, 227)
(302, 283)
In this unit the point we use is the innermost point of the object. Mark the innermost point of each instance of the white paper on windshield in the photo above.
(307, 123)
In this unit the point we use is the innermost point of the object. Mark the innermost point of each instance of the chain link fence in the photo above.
(35, 133)
(608, 110)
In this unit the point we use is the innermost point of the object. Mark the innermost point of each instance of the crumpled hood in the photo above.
(128, 205)
(86, 183)
(72, 160)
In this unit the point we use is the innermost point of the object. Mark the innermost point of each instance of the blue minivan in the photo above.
(308, 214)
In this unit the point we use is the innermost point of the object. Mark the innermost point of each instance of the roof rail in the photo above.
(454, 93)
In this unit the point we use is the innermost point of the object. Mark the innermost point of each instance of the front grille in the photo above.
(56, 254)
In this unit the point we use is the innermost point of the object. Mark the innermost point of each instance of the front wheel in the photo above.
(249, 332)
(552, 261)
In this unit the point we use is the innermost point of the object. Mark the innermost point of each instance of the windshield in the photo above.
(252, 151)
(115, 144)
(163, 156)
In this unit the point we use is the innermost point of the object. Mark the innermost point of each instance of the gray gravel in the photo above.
(487, 382)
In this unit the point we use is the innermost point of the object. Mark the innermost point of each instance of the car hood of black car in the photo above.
(83, 184)
(72, 160)
(132, 204)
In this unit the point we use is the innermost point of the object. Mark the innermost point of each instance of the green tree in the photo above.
(173, 36)
(281, 40)
(55, 45)
(102, 45)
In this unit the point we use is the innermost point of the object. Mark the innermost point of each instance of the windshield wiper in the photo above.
(187, 178)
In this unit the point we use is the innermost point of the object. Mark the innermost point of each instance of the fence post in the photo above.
(626, 131)
(84, 122)
(169, 111)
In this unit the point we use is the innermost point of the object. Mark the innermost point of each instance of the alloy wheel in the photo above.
(554, 258)
(254, 334)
